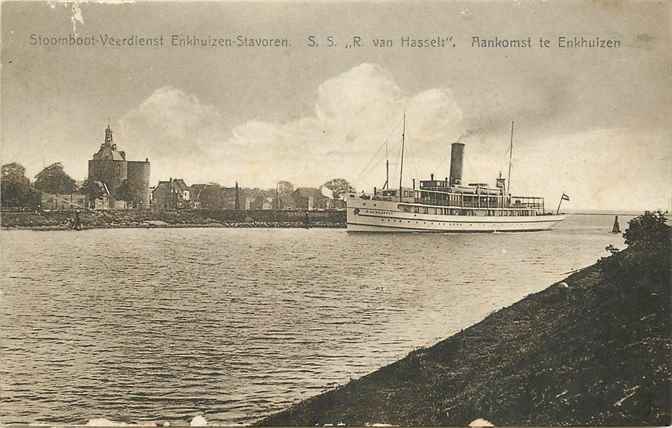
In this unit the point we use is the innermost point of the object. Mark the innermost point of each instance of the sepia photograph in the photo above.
(376, 213)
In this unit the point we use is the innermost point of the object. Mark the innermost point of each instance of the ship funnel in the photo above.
(456, 158)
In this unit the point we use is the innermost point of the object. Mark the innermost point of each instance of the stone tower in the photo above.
(110, 167)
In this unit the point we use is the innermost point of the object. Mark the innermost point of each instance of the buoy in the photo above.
(617, 227)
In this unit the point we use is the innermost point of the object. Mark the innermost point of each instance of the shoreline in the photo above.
(193, 218)
(172, 226)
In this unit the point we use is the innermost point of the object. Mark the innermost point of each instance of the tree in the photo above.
(15, 188)
(647, 258)
(123, 192)
(53, 179)
(339, 187)
(285, 199)
(14, 171)
(648, 231)
(93, 189)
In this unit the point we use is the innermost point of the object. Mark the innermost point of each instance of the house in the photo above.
(214, 196)
(310, 198)
(64, 201)
(195, 192)
(267, 203)
(99, 195)
(229, 195)
(338, 204)
(172, 194)
(255, 201)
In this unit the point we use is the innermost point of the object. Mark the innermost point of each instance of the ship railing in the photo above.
(531, 202)
(421, 208)
(479, 200)
(418, 203)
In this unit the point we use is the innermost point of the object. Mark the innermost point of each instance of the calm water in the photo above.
(138, 325)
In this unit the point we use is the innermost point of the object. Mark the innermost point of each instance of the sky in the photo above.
(590, 122)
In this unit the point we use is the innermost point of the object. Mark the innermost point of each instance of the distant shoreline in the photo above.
(194, 218)
(632, 213)
(176, 226)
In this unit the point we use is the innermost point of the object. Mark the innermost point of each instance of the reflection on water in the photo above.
(165, 324)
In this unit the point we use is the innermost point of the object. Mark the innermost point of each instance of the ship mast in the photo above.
(401, 168)
(508, 177)
(387, 167)
(387, 173)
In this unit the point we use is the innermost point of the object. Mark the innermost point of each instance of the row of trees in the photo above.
(16, 190)
(282, 196)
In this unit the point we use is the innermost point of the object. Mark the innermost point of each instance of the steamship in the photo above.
(448, 205)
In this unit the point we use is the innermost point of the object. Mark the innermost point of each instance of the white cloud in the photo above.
(176, 131)
(354, 113)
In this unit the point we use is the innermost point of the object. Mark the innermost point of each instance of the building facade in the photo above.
(127, 181)
(171, 195)
(310, 198)
(214, 196)
(64, 201)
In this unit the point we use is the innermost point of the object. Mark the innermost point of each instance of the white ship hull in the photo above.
(366, 215)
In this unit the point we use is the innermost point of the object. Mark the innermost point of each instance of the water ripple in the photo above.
(234, 324)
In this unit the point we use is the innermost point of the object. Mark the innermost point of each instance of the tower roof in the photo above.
(108, 150)
(108, 134)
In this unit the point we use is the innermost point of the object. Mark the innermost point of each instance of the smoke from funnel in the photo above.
(467, 133)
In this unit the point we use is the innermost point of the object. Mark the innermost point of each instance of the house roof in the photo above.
(160, 186)
(109, 152)
(178, 184)
(196, 190)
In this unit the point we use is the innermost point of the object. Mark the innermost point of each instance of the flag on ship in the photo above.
(565, 197)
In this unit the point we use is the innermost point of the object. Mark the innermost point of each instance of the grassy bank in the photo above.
(61, 220)
(594, 349)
